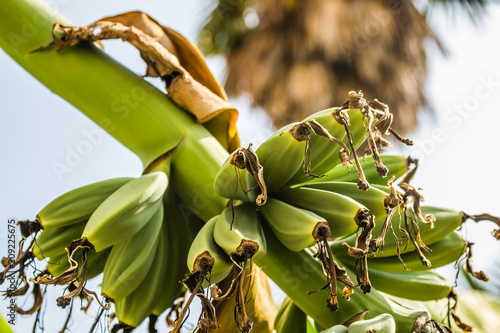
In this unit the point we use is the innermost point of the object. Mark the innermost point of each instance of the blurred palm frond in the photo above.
(295, 57)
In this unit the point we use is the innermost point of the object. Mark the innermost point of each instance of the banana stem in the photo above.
(131, 110)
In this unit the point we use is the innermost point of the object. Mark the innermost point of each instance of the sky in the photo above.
(457, 146)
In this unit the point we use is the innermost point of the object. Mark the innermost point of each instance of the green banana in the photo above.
(129, 260)
(395, 163)
(125, 211)
(338, 210)
(296, 228)
(372, 198)
(204, 245)
(443, 252)
(52, 242)
(325, 153)
(77, 205)
(243, 236)
(447, 220)
(383, 323)
(418, 286)
(232, 182)
(138, 305)
(283, 146)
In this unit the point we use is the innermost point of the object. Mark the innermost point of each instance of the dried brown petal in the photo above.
(248, 159)
(480, 275)
(169, 56)
(484, 217)
(343, 118)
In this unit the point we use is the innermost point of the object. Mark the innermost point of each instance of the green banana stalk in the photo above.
(324, 154)
(282, 146)
(418, 286)
(138, 305)
(381, 323)
(77, 205)
(204, 246)
(130, 260)
(296, 228)
(395, 163)
(443, 252)
(290, 318)
(126, 211)
(53, 242)
(338, 210)
(241, 236)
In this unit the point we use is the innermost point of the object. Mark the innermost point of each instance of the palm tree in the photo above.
(297, 56)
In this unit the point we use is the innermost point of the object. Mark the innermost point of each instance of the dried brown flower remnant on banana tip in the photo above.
(342, 118)
(300, 132)
(480, 275)
(240, 257)
(330, 267)
(202, 267)
(246, 158)
(391, 204)
(452, 312)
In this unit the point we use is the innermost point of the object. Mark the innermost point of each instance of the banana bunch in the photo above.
(142, 274)
(302, 151)
(90, 230)
(63, 220)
